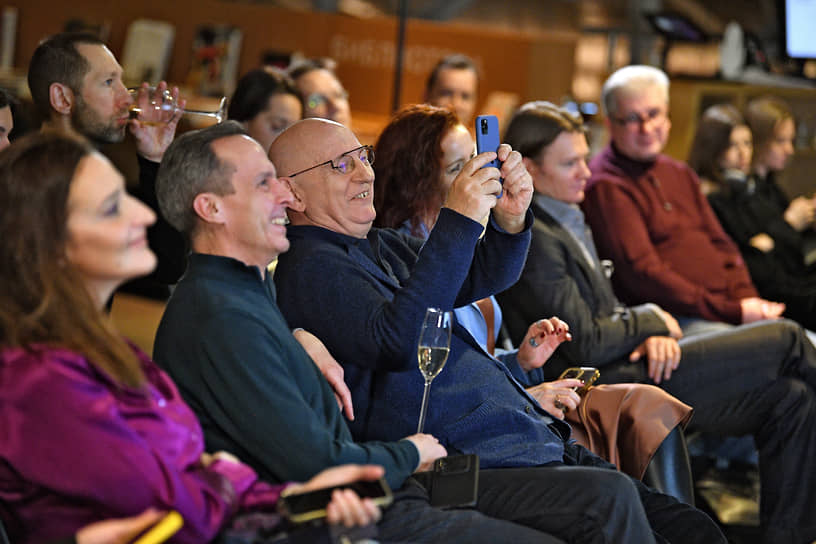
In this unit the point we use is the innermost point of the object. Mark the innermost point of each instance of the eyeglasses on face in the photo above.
(345, 163)
(315, 100)
(634, 121)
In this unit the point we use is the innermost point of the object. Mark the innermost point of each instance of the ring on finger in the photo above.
(533, 342)
(558, 404)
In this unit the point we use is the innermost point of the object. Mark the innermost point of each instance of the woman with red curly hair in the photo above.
(419, 154)
(422, 144)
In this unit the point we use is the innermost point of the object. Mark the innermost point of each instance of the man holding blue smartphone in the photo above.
(254, 387)
(371, 306)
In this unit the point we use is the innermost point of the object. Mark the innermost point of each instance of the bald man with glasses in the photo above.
(364, 292)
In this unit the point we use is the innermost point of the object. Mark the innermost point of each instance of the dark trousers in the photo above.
(757, 380)
(411, 518)
(583, 500)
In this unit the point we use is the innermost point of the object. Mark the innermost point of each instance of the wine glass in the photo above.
(166, 106)
(434, 345)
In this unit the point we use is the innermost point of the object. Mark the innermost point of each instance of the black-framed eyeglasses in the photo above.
(345, 163)
(634, 121)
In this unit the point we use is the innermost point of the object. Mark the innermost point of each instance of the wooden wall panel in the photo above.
(532, 66)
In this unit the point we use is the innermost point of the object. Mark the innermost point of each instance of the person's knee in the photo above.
(779, 330)
(792, 328)
(792, 413)
(796, 399)
(611, 489)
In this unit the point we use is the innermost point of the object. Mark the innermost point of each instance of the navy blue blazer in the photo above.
(372, 294)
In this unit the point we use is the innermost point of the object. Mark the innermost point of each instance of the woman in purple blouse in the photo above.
(90, 427)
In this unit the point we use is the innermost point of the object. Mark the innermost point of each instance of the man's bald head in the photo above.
(299, 146)
(306, 154)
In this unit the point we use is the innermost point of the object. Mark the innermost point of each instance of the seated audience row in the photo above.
(730, 378)
(419, 154)
(275, 398)
(252, 384)
(93, 428)
(371, 324)
(771, 232)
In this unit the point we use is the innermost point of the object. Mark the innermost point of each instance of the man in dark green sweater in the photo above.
(253, 386)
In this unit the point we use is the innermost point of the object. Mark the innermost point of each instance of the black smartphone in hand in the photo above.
(311, 505)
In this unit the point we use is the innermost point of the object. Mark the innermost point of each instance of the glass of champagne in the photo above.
(434, 345)
(161, 109)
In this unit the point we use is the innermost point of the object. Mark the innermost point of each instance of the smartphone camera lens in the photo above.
(484, 126)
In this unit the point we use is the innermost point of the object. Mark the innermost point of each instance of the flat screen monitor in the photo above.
(800, 38)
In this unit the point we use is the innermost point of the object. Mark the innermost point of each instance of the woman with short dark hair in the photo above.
(266, 103)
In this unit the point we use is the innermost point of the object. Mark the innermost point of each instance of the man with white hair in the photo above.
(755, 381)
(650, 217)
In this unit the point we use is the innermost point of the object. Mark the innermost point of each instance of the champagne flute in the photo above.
(434, 346)
(160, 110)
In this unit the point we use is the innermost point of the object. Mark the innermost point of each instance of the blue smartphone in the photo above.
(487, 139)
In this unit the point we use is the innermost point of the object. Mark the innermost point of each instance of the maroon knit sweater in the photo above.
(668, 247)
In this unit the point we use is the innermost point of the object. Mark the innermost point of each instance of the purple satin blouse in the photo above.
(74, 449)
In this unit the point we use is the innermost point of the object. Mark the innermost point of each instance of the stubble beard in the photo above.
(88, 123)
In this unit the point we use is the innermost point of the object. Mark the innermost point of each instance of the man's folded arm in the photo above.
(286, 430)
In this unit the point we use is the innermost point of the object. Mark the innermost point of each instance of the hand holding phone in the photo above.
(311, 505)
(510, 211)
(487, 139)
(587, 374)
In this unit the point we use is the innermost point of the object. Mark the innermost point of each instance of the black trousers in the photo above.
(757, 380)
(583, 500)
(411, 518)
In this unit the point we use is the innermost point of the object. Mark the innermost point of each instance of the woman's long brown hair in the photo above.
(712, 139)
(408, 184)
(43, 300)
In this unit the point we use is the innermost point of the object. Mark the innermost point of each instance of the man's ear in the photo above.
(297, 204)
(62, 98)
(208, 207)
